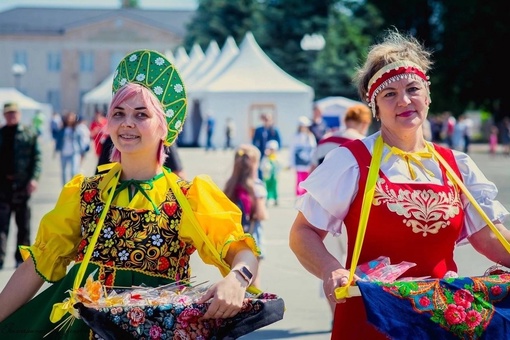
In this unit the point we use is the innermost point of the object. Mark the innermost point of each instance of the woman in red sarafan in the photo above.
(418, 214)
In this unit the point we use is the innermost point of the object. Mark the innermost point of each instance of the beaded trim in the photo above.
(390, 73)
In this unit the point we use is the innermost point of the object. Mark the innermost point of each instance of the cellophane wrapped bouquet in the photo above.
(167, 312)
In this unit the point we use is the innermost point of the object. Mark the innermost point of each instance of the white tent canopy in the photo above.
(196, 57)
(251, 84)
(97, 98)
(170, 56)
(212, 52)
(181, 57)
(27, 104)
(193, 126)
(227, 54)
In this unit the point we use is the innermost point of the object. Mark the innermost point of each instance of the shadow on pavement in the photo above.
(280, 334)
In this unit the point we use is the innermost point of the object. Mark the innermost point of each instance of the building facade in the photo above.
(57, 55)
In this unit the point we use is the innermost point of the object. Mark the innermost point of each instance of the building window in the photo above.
(54, 99)
(21, 58)
(54, 61)
(87, 62)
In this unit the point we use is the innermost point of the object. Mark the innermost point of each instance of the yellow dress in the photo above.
(142, 241)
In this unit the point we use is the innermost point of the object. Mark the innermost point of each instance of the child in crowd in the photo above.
(249, 192)
(270, 167)
(301, 150)
(493, 141)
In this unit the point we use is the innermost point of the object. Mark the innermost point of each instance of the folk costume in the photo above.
(416, 206)
(145, 239)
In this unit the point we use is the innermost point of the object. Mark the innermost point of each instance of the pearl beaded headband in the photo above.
(388, 74)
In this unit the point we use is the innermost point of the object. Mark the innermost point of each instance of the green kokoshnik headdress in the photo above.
(153, 70)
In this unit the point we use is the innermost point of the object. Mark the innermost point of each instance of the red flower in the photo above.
(89, 195)
(136, 316)
(463, 297)
(120, 231)
(170, 208)
(454, 314)
(163, 264)
(473, 319)
(189, 316)
(496, 290)
(155, 332)
(424, 301)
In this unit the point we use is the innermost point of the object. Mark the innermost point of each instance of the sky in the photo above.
(144, 4)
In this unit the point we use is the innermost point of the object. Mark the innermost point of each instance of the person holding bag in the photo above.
(414, 211)
(127, 224)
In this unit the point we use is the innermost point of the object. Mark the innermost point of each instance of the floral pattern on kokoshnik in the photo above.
(137, 239)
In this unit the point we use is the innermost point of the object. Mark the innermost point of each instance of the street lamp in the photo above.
(312, 42)
(18, 70)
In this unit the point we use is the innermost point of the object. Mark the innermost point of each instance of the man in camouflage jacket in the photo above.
(21, 167)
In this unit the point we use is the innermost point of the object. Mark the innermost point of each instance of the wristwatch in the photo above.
(245, 273)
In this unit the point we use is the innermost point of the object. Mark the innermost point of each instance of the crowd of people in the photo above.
(349, 183)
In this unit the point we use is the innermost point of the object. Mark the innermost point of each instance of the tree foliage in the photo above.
(463, 34)
(217, 20)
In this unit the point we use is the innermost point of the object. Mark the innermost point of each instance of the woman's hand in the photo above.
(226, 297)
(336, 278)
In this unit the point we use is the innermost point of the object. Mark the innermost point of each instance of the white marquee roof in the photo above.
(252, 70)
(227, 54)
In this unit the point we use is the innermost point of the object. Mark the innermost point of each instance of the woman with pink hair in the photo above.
(131, 225)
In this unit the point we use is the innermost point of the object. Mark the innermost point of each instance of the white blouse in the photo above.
(333, 185)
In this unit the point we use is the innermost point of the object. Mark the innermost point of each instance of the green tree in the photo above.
(464, 36)
(470, 60)
(130, 4)
(349, 34)
(279, 27)
(217, 20)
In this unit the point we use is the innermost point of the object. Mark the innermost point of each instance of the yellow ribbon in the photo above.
(373, 173)
(60, 309)
(409, 157)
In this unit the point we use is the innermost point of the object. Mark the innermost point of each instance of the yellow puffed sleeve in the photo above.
(220, 220)
(58, 235)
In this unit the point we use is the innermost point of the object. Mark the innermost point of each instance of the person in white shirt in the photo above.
(301, 149)
(357, 120)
